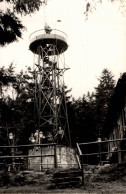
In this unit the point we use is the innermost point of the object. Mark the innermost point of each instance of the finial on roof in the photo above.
(47, 28)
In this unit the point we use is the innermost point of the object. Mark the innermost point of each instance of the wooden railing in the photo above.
(102, 152)
(12, 155)
(80, 161)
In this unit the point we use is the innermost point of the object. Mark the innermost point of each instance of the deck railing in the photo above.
(37, 33)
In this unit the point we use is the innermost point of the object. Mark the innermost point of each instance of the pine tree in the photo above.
(81, 119)
(103, 95)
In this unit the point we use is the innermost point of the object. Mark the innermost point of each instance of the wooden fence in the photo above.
(102, 152)
(16, 157)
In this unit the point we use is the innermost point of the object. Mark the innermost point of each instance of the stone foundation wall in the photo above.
(65, 158)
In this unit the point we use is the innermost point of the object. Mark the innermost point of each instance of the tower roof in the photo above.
(44, 38)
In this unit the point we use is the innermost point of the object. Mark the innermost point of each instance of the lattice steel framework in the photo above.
(50, 99)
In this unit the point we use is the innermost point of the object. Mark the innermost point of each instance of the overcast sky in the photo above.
(95, 44)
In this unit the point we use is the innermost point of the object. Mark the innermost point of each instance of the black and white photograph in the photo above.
(62, 96)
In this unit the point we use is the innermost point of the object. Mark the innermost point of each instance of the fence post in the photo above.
(82, 167)
(55, 157)
(13, 153)
(119, 153)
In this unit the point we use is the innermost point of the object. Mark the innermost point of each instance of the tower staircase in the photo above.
(68, 178)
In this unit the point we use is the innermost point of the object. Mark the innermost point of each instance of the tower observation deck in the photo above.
(48, 47)
(56, 38)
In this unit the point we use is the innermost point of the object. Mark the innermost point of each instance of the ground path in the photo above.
(97, 187)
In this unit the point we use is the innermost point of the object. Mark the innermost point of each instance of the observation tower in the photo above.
(48, 46)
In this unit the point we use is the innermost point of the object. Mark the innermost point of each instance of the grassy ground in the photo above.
(97, 187)
(99, 180)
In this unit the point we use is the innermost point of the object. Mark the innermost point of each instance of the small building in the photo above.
(115, 125)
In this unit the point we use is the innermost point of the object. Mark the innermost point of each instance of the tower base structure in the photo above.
(66, 158)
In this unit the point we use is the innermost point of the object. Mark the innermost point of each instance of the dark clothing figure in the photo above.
(60, 135)
(50, 138)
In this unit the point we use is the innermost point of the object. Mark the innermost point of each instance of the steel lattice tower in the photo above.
(50, 101)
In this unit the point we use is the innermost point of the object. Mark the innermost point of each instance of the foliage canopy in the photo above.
(91, 6)
(10, 25)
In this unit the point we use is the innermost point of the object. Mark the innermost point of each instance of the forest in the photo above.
(86, 114)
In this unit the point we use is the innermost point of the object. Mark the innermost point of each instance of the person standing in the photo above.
(60, 135)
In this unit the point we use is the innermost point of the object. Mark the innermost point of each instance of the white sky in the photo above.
(94, 45)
